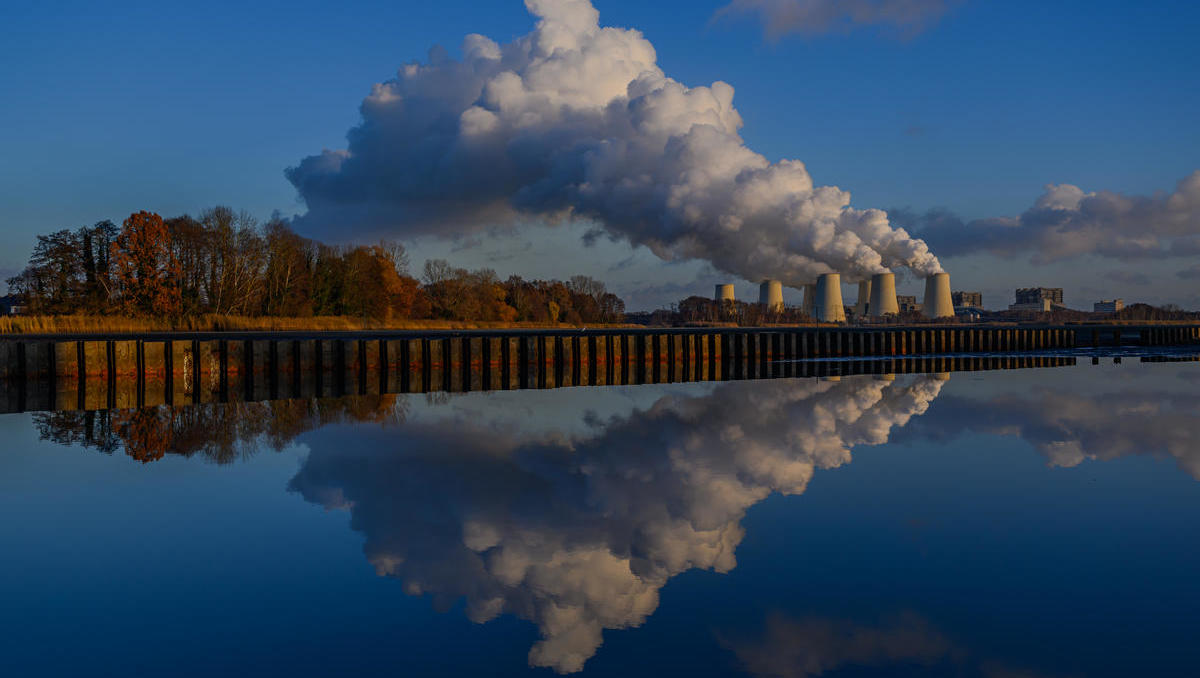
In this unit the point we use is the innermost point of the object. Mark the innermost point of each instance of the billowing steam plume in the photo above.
(576, 120)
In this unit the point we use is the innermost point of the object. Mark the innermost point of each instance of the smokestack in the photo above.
(883, 295)
(829, 305)
(810, 300)
(864, 307)
(724, 293)
(770, 295)
(937, 296)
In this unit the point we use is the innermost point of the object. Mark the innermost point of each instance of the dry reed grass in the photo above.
(90, 324)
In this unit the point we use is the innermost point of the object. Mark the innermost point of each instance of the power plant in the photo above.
(883, 295)
(829, 307)
(770, 295)
(877, 297)
(938, 303)
(863, 307)
(810, 300)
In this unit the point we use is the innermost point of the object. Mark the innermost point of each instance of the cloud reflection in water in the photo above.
(579, 534)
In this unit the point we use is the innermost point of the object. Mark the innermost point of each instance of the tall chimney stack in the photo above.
(883, 295)
(937, 296)
(829, 307)
(810, 300)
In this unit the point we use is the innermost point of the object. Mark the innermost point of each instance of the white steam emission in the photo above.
(575, 120)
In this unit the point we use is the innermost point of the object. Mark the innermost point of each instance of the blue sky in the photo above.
(174, 107)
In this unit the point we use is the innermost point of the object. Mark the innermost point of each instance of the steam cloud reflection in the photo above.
(579, 534)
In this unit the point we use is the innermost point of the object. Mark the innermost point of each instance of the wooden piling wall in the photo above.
(129, 373)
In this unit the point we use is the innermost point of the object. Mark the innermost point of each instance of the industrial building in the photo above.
(1035, 306)
(10, 305)
(908, 303)
(967, 299)
(724, 293)
(1034, 295)
(1108, 306)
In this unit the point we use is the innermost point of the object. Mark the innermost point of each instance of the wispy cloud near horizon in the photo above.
(1067, 223)
(810, 18)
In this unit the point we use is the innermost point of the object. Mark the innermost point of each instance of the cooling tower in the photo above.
(937, 296)
(724, 293)
(829, 307)
(770, 295)
(883, 295)
(810, 300)
(863, 307)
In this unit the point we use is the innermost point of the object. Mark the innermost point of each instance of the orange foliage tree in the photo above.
(147, 272)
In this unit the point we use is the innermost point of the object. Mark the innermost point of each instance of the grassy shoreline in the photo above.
(92, 324)
(88, 324)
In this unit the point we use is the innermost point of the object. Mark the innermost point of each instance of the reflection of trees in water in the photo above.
(580, 534)
(218, 432)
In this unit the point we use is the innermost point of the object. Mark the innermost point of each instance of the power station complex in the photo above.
(876, 297)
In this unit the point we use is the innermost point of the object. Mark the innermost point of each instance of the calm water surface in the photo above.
(1037, 523)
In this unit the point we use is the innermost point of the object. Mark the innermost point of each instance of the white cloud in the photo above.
(576, 120)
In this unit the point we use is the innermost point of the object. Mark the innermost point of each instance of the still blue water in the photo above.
(1037, 523)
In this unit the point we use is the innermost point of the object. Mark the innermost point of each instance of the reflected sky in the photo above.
(1024, 523)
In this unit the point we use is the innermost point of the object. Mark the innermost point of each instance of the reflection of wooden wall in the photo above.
(125, 373)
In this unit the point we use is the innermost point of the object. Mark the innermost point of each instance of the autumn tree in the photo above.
(226, 263)
(287, 280)
(145, 269)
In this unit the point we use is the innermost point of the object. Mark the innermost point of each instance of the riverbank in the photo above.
(91, 324)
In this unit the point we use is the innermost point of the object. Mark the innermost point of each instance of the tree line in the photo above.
(220, 433)
(226, 263)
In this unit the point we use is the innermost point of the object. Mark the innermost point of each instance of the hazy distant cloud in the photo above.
(623, 264)
(1069, 427)
(1190, 273)
(1065, 223)
(1128, 277)
(466, 243)
(815, 17)
(813, 647)
(497, 256)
